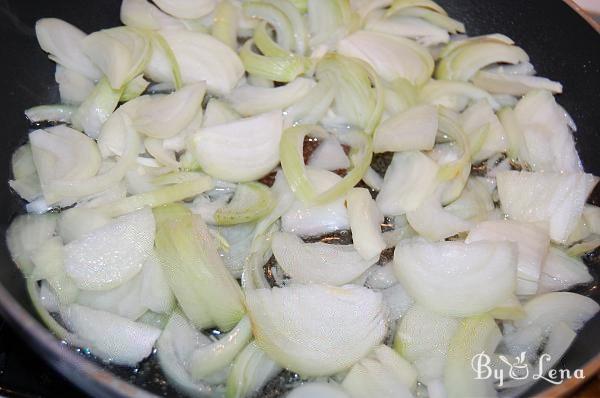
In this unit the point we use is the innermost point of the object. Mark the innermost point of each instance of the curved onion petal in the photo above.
(144, 15)
(554, 200)
(365, 222)
(243, 150)
(250, 202)
(472, 279)
(453, 94)
(120, 53)
(412, 130)
(73, 87)
(423, 338)
(221, 71)
(106, 257)
(163, 116)
(432, 221)
(424, 32)
(383, 373)
(189, 9)
(64, 42)
(110, 336)
(316, 330)
(96, 108)
(251, 370)
(561, 272)
(391, 57)
(474, 336)
(25, 234)
(318, 262)
(475, 118)
(513, 84)
(329, 155)
(532, 244)
(318, 390)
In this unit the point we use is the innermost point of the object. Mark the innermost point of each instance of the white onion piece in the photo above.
(78, 221)
(412, 130)
(383, 373)
(239, 238)
(548, 309)
(365, 222)
(373, 179)
(239, 151)
(251, 370)
(110, 336)
(423, 32)
(218, 112)
(471, 279)
(591, 216)
(513, 84)
(64, 42)
(476, 117)
(318, 390)
(432, 221)
(163, 116)
(423, 338)
(554, 200)
(63, 154)
(113, 133)
(382, 277)
(113, 254)
(397, 301)
(307, 220)
(187, 9)
(96, 109)
(144, 15)
(221, 71)
(548, 140)
(453, 94)
(408, 181)
(73, 87)
(391, 56)
(120, 53)
(155, 290)
(561, 272)
(316, 330)
(25, 234)
(329, 155)
(532, 244)
(317, 262)
(250, 100)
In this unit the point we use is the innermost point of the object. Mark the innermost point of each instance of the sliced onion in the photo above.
(408, 181)
(500, 83)
(225, 23)
(391, 57)
(472, 279)
(120, 53)
(76, 222)
(423, 338)
(243, 150)
(475, 118)
(318, 390)
(187, 9)
(412, 27)
(532, 244)
(144, 15)
(218, 112)
(64, 42)
(413, 129)
(365, 222)
(453, 94)
(221, 71)
(329, 329)
(329, 155)
(251, 370)
(318, 262)
(73, 87)
(554, 200)
(96, 108)
(397, 301)
(250, 202)
(561, 272)
(329, 21)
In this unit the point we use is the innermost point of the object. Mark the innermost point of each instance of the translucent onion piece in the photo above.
(329, 155)
(423, 338)
(144, 15)
(221, 71)
(561, 272)
(312, 108)
(225, 23)
(318, 262)
(120, 53)
(548, 309)
(365, 222)
(318, 390)
(499, 83)
(189, 9)
(591, 216)
(328, 330)
(391, 57)
(110, 336)
(554, 200)
(96, 109)
(239, 151)
(548, 140)
(250, 202)
(408, 181)
(250, 100)
(532, 244)
(313, 220)
(251, 370)
(329, 21)
(434, 17)
(423, 32)
(134, 88)
(474, 336)
(78, 221)
(64, 42)
(281, 68)
(53, 113)
(218, 112)
(383, 373)
(453, 94)
(472, 279)
(276, 18)
(477, 117)
(73, 87)
(204, 288)
(397, 301)
(106, 257)
(25, 234)
(412, 130)
(163, 116)
(240, 239)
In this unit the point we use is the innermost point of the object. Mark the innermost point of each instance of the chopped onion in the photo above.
(423, 338)
(454, 95)
(365, 222)
(64, 42)
(187, 9)
(318, 262)
(328, 330)
(561, 272)
(144, 15)
(513, 84)
(251, 201)
(318, 390)
(96, 109)
(472, 279)
(413, 27)
(329, 155)
(110, 255)
(475, 118)
(397, 301)
(412, 130)
(243, 150)
(554, 200)
(76, 222)
(251, 370)
(218, 112)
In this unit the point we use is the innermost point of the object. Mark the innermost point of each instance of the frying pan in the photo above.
(562, 47)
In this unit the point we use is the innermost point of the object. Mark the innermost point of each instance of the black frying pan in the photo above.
(562, 47)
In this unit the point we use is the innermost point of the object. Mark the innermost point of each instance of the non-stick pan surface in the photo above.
(561, 44)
